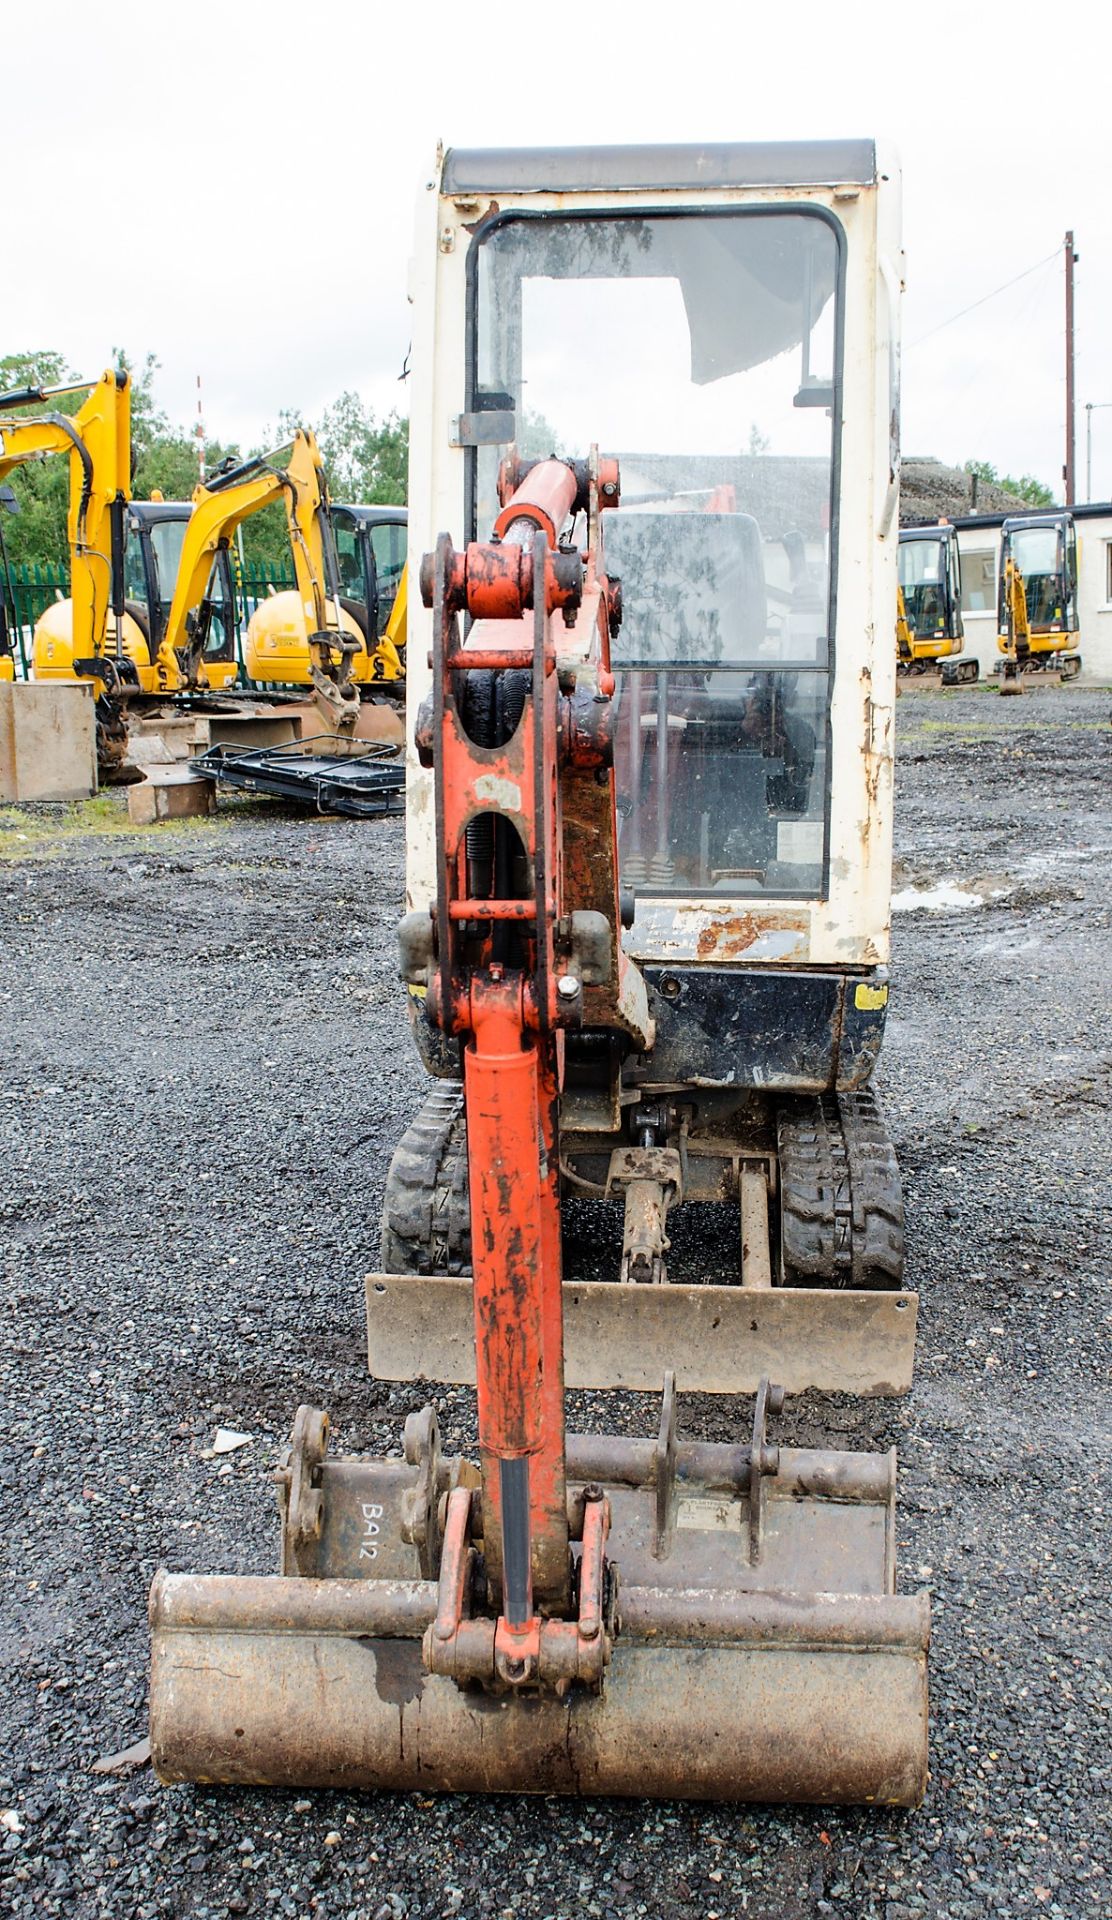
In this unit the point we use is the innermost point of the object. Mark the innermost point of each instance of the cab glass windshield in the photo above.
(701, 349)
(158, 546)
(347, 536)
(1035, 550)
(921, 563)
(168, 539)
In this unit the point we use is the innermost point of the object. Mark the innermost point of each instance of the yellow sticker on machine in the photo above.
(869, 998)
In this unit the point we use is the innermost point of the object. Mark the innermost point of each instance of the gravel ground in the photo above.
(204, 1075)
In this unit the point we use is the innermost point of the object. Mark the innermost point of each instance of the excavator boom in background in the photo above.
(155, 535)
(218, 509)
(650, 695)
(97, 442)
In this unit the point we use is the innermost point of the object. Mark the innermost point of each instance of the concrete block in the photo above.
(48, 742)
(148, 750)
(169, 793)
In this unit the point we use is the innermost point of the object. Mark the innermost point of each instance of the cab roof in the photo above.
(371, 515)
(763, 163)
(156, 513)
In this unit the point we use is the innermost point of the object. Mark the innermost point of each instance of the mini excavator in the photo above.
(178, 640)
(649, 848)
(930, 635)
(1038, 616)
(370, 554)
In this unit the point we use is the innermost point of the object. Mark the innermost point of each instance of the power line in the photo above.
(985, 297)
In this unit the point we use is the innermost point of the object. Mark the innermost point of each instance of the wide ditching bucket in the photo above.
(745, 1641)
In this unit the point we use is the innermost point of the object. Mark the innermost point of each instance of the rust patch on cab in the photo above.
(735, 933)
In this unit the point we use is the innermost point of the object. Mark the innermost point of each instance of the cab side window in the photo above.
(388, 544)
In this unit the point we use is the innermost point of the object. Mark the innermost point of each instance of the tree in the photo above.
(42, 369)
(169, 467)
(149, 424)
(366, 459)
(537, 437)
(1025, 488)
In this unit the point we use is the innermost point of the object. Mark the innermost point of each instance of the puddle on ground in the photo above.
(944, 897)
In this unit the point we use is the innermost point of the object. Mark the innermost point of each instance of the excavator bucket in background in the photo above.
(649, 835)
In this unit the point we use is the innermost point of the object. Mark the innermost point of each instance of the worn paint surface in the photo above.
(705, 930)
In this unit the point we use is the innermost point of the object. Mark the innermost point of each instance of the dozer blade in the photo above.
(717, 1339)
(755, 1647)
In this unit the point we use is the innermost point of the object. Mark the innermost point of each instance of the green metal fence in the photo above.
(29, 590)
(255, 580)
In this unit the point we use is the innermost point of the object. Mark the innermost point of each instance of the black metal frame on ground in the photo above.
(328, 772)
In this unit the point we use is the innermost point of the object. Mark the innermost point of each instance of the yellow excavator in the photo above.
(370, 549)
(186, 644)
(155, 534)
(97, 442)
(930, 636)
(333, 640)
(1038, 615)
(1017, 627)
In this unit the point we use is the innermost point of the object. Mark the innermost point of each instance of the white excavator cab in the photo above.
(724, 321)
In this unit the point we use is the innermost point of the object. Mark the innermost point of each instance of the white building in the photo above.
(979, 546)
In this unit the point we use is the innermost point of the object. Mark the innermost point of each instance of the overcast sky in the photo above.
(206, 183)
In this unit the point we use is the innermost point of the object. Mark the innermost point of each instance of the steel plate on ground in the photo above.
(715, 1339)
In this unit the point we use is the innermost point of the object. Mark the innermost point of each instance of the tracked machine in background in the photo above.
(1038, 615)
(649, 839)
(155, 535)
(370, 548)
(150, 616)
(177, 631)
(930, 635)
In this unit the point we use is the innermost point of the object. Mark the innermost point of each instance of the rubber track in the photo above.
(426, 1221)
(841, 1204)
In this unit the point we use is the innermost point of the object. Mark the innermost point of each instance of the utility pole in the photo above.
(1068, 469)
(200, 432)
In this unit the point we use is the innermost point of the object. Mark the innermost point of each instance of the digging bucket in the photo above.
(753, 1645)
